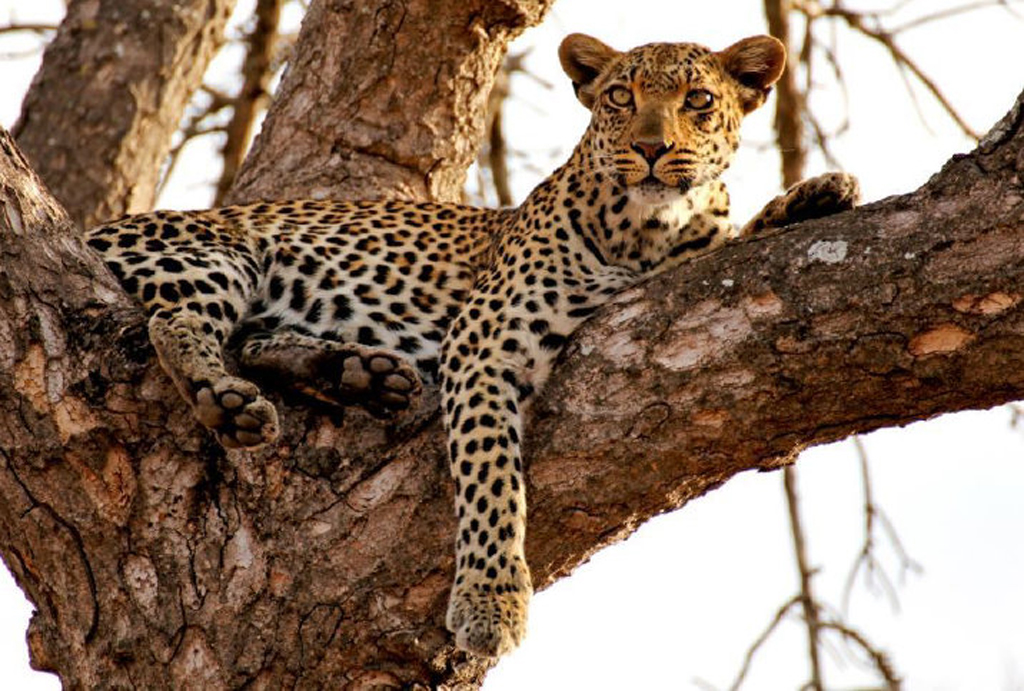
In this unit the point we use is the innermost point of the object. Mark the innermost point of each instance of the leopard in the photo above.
(366, 303)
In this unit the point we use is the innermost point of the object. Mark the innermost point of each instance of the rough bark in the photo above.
(383, 99)
(157, 559)
(98, 120)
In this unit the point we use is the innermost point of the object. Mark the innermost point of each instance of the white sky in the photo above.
(676, 605)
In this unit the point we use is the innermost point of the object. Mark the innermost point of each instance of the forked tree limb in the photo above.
(388, 99)
(153, 555)
(158, 560)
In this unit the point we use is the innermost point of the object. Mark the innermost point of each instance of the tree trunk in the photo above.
(383, 99)
(98, 120)
(157, 559)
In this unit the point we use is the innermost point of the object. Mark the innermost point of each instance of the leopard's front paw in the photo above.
(234, 409)
(489, 623)
(824, 195)
(816, 197)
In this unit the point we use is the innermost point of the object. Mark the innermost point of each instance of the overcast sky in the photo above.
(677, 604)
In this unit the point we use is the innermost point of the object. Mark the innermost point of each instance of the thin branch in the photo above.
(32, 28)
(759, 641)
(820, 135)
(195, 126)
(856, 21)
(879, 661)
(789, 104)
(188, 135)
(951, 12)
(866, 560)
(806, 596)
(497, 151)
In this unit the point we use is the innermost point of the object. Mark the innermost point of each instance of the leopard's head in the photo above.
(666, 116)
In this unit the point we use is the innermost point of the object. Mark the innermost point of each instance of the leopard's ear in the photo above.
(583, 59)
(756, 63)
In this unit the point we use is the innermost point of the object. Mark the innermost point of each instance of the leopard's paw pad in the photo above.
(237, 412)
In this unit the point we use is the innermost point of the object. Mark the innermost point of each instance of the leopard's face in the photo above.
(666, 116)
(665, 119)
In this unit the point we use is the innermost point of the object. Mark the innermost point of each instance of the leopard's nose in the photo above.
(651, 149)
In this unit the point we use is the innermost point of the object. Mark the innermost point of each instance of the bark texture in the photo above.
(98, 120)
(158, 560)
(383, 99)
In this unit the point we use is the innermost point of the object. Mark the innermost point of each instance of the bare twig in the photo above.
(821, 138)
(253, 95)
(857, 22)
(31, 28)
(806, 595)
(950, 12)
(759, 641)
(196, 125)
(866, 559)
(879, 661)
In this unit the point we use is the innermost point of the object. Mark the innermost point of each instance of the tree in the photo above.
(157, 559)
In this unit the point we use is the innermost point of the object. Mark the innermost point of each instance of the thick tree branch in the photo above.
(98, 120)
(400, 117)
(896, 312)
(325, 561)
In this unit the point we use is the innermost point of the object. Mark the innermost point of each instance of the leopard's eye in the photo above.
(620, 97)
(699, 99)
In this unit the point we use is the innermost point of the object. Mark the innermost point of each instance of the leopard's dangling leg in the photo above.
(490, 597)
(482, 369)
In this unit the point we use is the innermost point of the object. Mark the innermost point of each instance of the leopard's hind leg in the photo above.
(195, 274)
(343, 374)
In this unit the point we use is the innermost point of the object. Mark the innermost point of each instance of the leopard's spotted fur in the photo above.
(357, 302)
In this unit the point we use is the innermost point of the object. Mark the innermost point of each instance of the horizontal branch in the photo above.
(330, 554)
(898, 311)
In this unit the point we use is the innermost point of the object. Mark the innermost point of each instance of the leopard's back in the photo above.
(383, 274)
